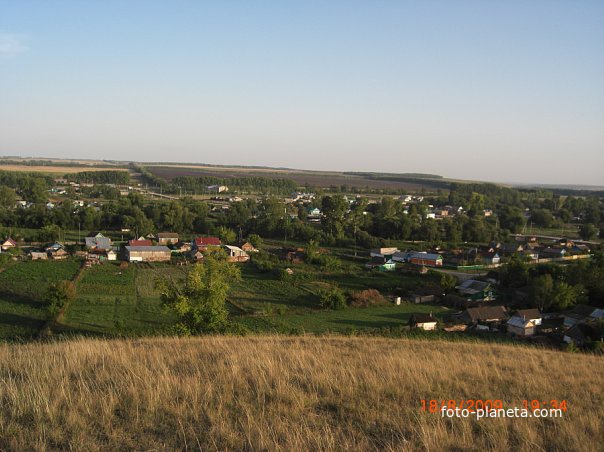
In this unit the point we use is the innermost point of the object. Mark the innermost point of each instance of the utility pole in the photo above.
(285, 229)
(354, 222)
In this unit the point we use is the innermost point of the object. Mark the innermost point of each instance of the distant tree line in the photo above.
(100, 177)
(556, 287)
(345, 222)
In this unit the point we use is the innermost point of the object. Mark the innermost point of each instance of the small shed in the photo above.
(426, 322)
(38, 255)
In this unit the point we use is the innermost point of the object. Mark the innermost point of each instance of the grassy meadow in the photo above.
(117, 301)
(112, 300)
(22, 289)
(295, 393)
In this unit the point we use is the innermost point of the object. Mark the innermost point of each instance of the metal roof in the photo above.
(148, 248)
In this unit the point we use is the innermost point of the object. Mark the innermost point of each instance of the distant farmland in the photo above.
(57, 169)
(312, 178)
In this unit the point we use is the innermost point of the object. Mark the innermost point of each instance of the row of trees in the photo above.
(101, 177)
(366, 224)
(557, 287)
(342, 221)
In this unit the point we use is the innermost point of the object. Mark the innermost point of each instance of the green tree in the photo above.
(588, 231)
(58, 294)
(226, 235)
(542, 217)
(516, 273)
(511, 218)
(333, 209)
(329, 263)
(49, 233)
(564, 296)
(34, 189)
(541, 291)
(332, 298)
(448, 282)
(476, 206)
(7, 197)
(255, 240)
(199, 302)
(312, 251)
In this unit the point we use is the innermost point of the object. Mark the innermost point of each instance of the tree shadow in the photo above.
(368, 323)
(20, 320)
(20, 299)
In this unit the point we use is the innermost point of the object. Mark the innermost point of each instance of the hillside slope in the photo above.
(301, 393)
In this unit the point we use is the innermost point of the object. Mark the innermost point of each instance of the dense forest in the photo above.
(100, 177)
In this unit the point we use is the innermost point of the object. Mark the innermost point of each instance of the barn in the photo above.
(427, 259)
(236, 254)
(148, 254)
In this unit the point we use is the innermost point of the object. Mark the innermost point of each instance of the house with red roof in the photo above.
(203, 243)
(8, 244)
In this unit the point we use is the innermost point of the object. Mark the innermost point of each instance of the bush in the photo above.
(58, 295)
(329, 263)
(265, 262)
(332, 298)
(365, 298)
(255, 240)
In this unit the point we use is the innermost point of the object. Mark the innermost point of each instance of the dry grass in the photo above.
(302, 393)
(56, 169)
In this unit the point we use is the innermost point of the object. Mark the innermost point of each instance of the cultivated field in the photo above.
(111, 300)
(56, 169)
(313, 178)
(279, 393)
(22, 289)
(118, 301)
(293, 305)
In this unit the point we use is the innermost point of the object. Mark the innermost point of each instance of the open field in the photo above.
(113, 301)
(23, 286)
(313, 178)
(56, 161)
(56, 169)
(274, 305)
(116, 301)
(279, 393)
(340, 321)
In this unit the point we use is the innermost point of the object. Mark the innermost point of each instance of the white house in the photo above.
(521, 326)
(426, 322)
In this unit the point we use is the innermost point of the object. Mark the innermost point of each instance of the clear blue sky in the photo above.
(491, 90)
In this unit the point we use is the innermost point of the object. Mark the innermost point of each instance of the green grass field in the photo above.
(120, 301)
(22, 289)
(123, 301)
(293, 305)
(340, 321)
(261, 292)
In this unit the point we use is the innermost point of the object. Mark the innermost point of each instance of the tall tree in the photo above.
(541, 291)
(334, 209)
(199, 302)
